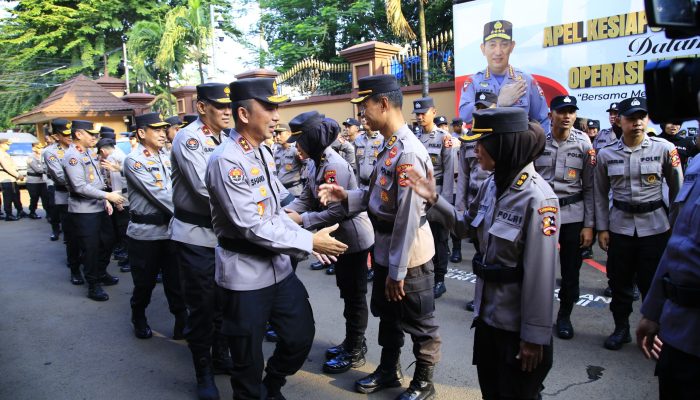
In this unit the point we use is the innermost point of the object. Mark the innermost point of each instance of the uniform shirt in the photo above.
(354, 230)
(35, 165)
(519, 227)
(118, 179)
(680, 325)
(191, 149)
(53, 158)
(148, 177)
(470, 176)
(85, 182)
(686, 147)
(532, 101)
(390, 200)
(245, 206)
(604, 138)
(345, 150)
(568, 168)
(439, 145)
(366, 151)
(634, 176)
(288, 168)
(8, 170)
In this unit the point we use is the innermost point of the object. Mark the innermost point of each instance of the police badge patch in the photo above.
(192, 144)
(235, 175)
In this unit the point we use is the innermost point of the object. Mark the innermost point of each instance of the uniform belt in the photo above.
(681, 295)
(150, 219)
(565, 201)
(438, 181)
(124, 190)
(387, 226)
(496, 273)
(364, 182)
(291, 184)
(78, 196)
(60, 188)
(244, 246)
(34, 174)
(640, 208)
(193, 218)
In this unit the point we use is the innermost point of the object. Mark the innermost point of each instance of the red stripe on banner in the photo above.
(596, 265)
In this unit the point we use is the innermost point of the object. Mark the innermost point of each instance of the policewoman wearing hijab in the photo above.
(313, 134)
(515, 217)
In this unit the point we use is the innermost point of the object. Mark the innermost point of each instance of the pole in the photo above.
(423, 49)
(212, 69)
(126, 67)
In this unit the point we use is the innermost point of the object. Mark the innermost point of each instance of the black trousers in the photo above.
(202, 296)
(95, 237)
(412, 315)
(442, 250)
(69, 238)
(38, 191)
(10, 195)
(246, 313)
(53, 213)
(631, 257)
(570, 260)
(678, 374)
(120, 221)
(500, 376)
(147, 258)
(351, 278)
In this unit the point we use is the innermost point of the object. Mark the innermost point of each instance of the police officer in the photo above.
(36, 184)
(512, 86)
(287, 161)
(567, 163)
(671, 308)
(89, 207)
(148, 175)
(592, 129)
(439, 145)
(256, 239)
(515, 217)
(609, 135)
(457, 126)
(313, 134)
(112, 161)
(195, 239)
(8, 179)
(441, 123)
(687, 147)
(174, 125)
(367, 147)
(402, 289)
(635, 231)
(345, 149)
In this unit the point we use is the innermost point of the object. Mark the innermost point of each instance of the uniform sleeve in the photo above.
(306, 200)
(75, 175)
(192, 162)
(138, 179)
(448, 168)
(539, 111)
(589, 166)
(654, 300)
(54, 168)
(348, 153)
(673, 172)
(335, 212)
(466, 101)
(601, 188)
(540, 261)
(35, 166)
(9, 166)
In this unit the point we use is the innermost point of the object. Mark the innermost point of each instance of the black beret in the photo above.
(457, 121)
(494, 121)
(151, 120)
(304, 122)
(559, 102)
(630, 106)
(613, 107)
(351, 121)
(84, 125)
(174, 120)
(212, 91)
(261, 89)
(498, 29)
(422, 105)
(60, 126)
(593, 123)
(440, 120)
(375, 84)
(485, 98)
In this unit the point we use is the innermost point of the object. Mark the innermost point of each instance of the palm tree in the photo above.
(401, 28)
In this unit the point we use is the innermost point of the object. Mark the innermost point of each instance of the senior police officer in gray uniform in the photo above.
(439, 145)
(89, 206)
(53, 157)
(287, 161)
(256, 239)
(512, 86)
(567, 163)
(195, 240)
(367, 146)
(147, 171)
(635, 231)
(402, 295)
(515, 217)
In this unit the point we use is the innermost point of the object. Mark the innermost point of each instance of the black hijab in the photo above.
(317, 137)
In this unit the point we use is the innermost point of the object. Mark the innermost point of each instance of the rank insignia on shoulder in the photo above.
(192, 144)
(521, 180)
(244, 144)
(235, 175)
(547, 209)
(146, 153)
(391, 141)
(210, 142)
(73, 161)
(329, 176)
(549, 226)
(466, 84)
(675, 158)
(137, 165)
(402, 171)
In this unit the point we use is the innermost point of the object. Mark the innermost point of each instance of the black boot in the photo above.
(76, 277)
(109, 280)
(565, 330)
(178, 329)
(96, 293)
(333, 352)
(456, 256)
(273, 385)
(206, 387)
(141, 328)
(352, 357)
(439, 289)
(620, 336)
(221, 356)
(421, 387)
(387, 375)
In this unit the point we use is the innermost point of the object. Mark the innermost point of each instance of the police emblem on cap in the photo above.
(498, 25)
(227, 90)
(635, 102)
(482, 97)
(613, 105)
(567, 99)
(274, 86)
(68, 125)
(417, 105)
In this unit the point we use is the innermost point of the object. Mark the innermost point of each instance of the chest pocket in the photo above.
(651, 174)
(386, 185)
(616, 170)
(573, 168)
(435, 157)
(544, 161)
(504, 231)
(360, 151)
(261, 197)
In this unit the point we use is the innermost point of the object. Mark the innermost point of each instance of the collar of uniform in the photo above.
(646, 142)
(523, 178)
(241, 141)
(79, 149)
(511, 72)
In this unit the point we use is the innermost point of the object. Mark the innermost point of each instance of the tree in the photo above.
(401, 27)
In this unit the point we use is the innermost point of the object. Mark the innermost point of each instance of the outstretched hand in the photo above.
(328, 193)
(423, 186)
(324, 243)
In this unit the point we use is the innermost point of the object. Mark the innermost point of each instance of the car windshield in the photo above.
(20, 149)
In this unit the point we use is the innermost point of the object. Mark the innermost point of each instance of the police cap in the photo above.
(304, 123)
(87, 126)
(486, 99)
(212, 91)
(188, 119)
(105, 142)
(151, 120)
(500, 29)
(351, 121)
(261, 89)
(593, 123)
(60, 126)
(440, 120)
(174, 121)
(494, 121)
(613, 107)
(632, 105)
(422, 105)
(457, 121)
(281, 127)
(560, 102)
(375, 84)
(107, 132)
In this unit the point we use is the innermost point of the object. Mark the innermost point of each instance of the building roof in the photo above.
(77, 97)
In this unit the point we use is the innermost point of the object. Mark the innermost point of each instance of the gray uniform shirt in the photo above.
(354, 230)
(148, 177)
(389, 199)
(53, 158)
(520, 226)
(8, 170)
(345, 150)
(35, 165)
(366, 151)
(245, 205)
(288, 168)
(191, 149)
(634, 176)
(439, 146)
(568, 167)
(604, 138)
(85, 182)
(470, 176)
(118, 179)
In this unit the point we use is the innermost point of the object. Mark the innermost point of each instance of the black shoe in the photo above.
(470, 306)
(317, 266)
(109, 280)
(439, 289)
(125, 268)
(96, 293)
(34, 216)
(380, 379)
(564, 328)
(330, 270)
(22, 214)
(345, 361)
(53, 237)
(159, 278)
(206, 387)
(587, 253)
(620, 336)
(456, 256)
(333, 352)
(222, 364)
(421, 387)
(9, 217)
(635, 294)
(179, 328)
(141, 328)
(76, 278)
(370, 275)
(271, 336)
(277, 396)
(607, 292)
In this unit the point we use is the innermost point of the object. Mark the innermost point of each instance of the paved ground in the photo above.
(57, 344)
